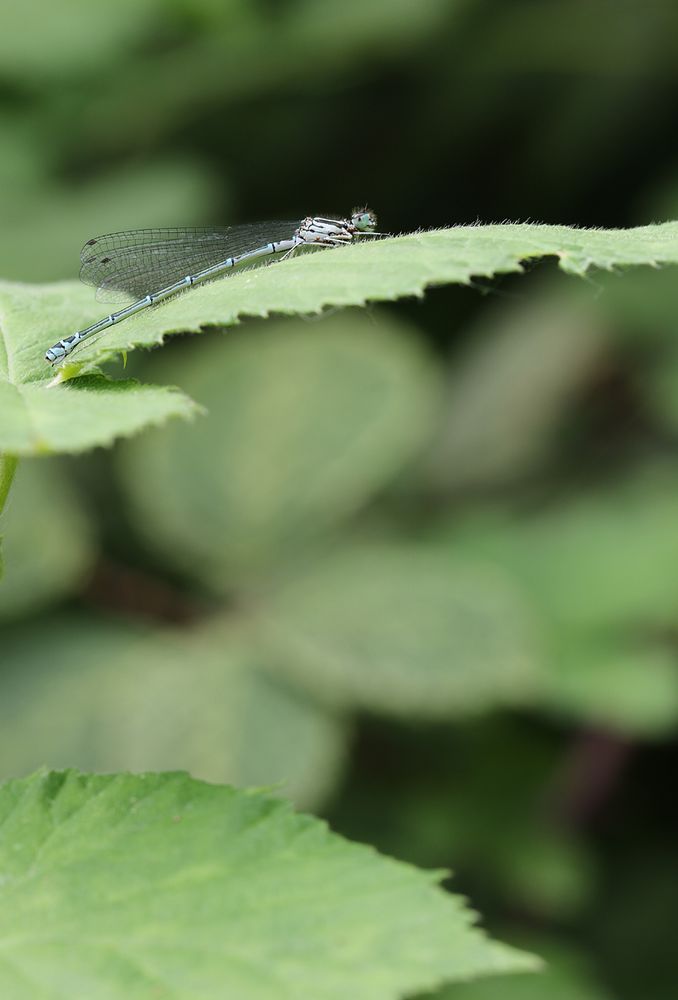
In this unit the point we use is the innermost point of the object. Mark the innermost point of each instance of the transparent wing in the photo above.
(141, 261)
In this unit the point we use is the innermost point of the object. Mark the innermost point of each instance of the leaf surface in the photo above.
(383, 270)
(149, 886)
(38, 418)
(33, 318)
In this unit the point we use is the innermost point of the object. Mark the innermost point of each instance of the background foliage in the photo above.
(419, 562)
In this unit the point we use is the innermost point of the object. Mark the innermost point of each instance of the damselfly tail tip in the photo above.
(55, 354)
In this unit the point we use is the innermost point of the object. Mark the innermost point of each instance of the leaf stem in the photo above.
(8, 464)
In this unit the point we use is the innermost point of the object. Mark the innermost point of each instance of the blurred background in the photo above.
(418, 566)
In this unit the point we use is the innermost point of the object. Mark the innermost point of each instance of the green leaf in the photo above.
(86, 39)
(38, 418)
(48, 541)
(662, 383)
(523, 364)
(38, 40)
(402, 629)
(600, 573)
(8, 466)
(606, 558)
(45, 222)
(306, 422)
(384, 270)
(380, 270)
(106, 697)
(124, 886)
(74, 417)
(613, 681)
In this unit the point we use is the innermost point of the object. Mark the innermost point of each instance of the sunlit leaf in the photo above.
(38, 418)
(241, 897)
(384, 270)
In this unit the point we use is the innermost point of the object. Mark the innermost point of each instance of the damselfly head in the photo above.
(364, 220)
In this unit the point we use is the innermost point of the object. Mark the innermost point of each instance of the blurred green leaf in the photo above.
(662, 387)
(382, 270)
(45, 221)
(305, 424)
(106, 697)
(291, 899)
(402, 629)
(48, 544)
(22, 168)
(88, 40)
(524, 364)
(606, 558)
(38, 418)
(624, 684)
(640, 306)
(600, 571)
(40, 39)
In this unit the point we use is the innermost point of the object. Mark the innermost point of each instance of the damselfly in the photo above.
(152, 264)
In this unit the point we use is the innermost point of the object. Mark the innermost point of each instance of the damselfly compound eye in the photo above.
(364, 220)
